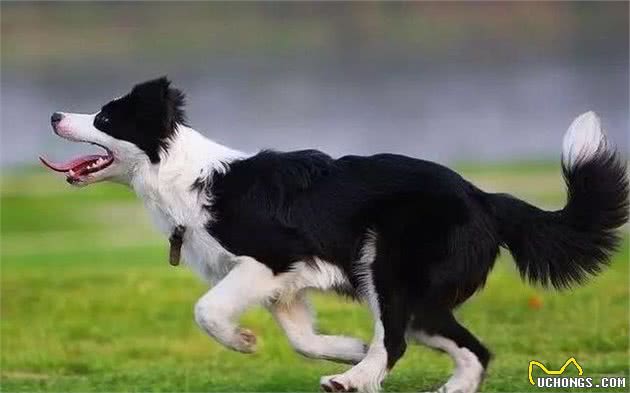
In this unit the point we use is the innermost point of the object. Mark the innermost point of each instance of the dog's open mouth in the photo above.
(77, 169)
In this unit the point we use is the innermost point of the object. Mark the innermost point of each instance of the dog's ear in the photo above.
(157, 98)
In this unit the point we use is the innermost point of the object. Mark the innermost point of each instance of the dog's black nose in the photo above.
(55, 118)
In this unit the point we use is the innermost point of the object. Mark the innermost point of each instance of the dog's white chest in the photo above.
(199, 250)
(205, 255)
(168, 194)
(174, 206)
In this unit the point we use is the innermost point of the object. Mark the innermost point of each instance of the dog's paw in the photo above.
(467, 377)
(336, 383)
(245, 340)
(357, 379)
(460, 385)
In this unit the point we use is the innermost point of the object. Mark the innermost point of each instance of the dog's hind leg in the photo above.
(297, 321)
(438, 329)
(389, 307)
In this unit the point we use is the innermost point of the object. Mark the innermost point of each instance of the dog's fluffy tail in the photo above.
(564, 247)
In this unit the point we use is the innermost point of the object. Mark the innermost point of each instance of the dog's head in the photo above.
(134, 130)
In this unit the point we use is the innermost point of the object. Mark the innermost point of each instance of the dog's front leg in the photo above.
(249, 283)
(298, 322)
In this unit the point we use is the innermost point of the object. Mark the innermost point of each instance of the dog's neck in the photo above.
(166, 188)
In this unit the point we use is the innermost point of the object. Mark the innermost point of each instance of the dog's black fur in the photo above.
(438, 235)
(146, 117)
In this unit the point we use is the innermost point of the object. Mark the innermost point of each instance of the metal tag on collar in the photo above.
(176, 240)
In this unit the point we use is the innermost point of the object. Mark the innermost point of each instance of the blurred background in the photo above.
(475, 81)
(89, 302)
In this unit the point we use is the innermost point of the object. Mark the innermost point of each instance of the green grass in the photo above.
(90, 303)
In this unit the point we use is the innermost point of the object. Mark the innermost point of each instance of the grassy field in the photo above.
(90, 303)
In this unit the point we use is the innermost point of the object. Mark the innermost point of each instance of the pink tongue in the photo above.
(66, 166)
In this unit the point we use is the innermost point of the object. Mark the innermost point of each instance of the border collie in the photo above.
(410, 238)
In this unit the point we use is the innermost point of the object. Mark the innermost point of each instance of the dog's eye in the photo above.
(101, 120)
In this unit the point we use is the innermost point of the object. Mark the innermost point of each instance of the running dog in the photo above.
(410, 238)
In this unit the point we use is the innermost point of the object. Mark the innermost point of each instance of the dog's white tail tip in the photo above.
(583, 141)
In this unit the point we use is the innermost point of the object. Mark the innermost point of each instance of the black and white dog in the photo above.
(411, 238)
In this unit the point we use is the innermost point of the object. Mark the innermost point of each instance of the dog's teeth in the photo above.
(71, 172)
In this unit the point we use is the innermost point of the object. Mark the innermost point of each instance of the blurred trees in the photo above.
(43, 32)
